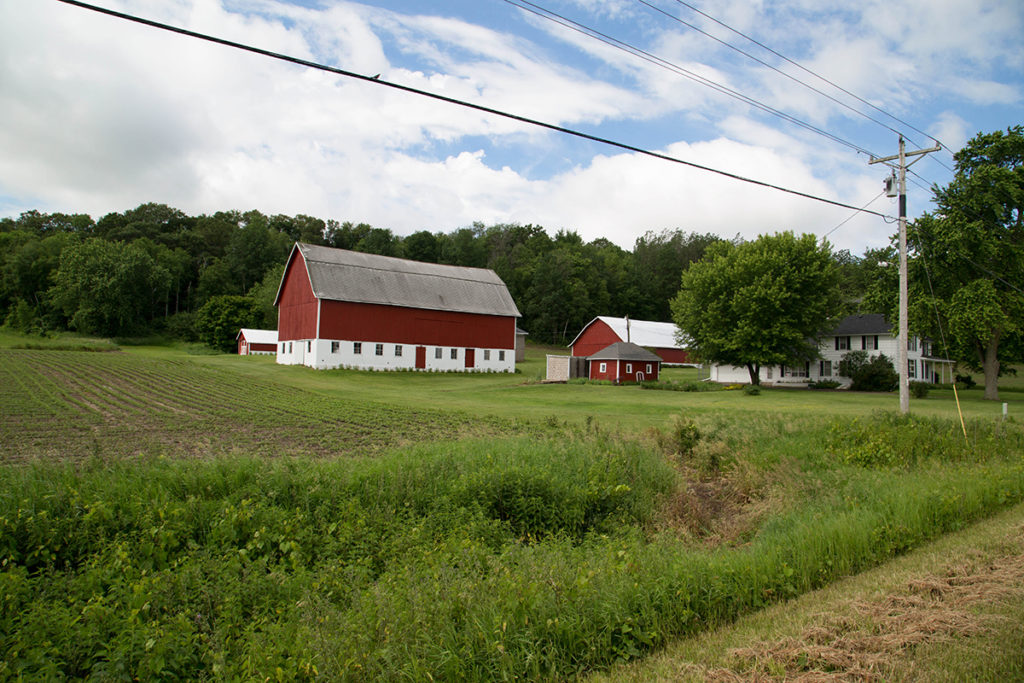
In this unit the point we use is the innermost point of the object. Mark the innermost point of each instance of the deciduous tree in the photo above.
(758, 303)
(968, 269)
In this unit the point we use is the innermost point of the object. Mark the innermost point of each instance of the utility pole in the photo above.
(904, 332)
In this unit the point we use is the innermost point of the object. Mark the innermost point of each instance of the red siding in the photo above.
(610, 372)
(297, 307)
(616, 370)
(401, 325)
(673, 355)
(593, 338)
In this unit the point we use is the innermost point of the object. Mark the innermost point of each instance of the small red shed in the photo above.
(624, 362)
(256, 342)
(604, 330)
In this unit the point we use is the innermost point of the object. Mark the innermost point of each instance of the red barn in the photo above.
(624, 362)
(256, 342)
(340, 308)
(604, 330)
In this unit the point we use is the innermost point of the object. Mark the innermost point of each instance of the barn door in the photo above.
(421, 357)
(470, 358)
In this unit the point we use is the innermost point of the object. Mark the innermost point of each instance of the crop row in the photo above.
(61, 403)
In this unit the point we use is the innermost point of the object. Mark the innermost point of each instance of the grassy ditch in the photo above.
(471, 560)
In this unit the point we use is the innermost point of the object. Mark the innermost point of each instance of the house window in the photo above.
(501, 355)
(437, 352)
(379, 349)
(912, 344)
(770, 372)
(825, 368)
(603, 367)
(398, 350)
(334, 346)
(911, 368)
(799, 371)
(926, 348)
(487, 354)
(869, 342)
(357, 348)
(455, 354)
(842, 343)
(629, 368)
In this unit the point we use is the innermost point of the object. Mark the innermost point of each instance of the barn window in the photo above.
(282, 347)
(357, 348)
(289, 347)
(487, 354)
(603, 367)
(379, 350)
(455, 354)
(335, 346)
(309, 346)
(648, 368)
(501, 355)
(437, 352)
(398, 350)
(629, 368)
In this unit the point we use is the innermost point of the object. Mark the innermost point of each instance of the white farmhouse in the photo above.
(870, 333)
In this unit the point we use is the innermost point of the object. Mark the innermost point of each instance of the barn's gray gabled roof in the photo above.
(625, 351)
(342, 275)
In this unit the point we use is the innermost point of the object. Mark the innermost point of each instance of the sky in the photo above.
(100, 115)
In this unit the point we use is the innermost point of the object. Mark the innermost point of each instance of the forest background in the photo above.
(154, 270)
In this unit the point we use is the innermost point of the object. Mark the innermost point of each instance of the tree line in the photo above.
(153, 269)
(156, 270)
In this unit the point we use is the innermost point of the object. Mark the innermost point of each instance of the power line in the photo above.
(766, 64)
(812, 73)
(376, 80)
(854, 214)
(549, 15)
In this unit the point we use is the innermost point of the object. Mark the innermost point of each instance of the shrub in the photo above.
(752, 390)
(868, 374)
(823, 384)
(919, 389)
(965, 382)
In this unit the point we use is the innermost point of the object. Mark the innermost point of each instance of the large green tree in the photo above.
(107, 288)
(759, 303)
(968, 268)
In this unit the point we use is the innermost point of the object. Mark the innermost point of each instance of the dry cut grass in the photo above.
(866, 641)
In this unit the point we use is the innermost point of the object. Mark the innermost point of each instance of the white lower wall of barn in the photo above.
(324, 354)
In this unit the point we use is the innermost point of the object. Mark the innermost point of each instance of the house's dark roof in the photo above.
(869, 323)
(342, 275)
(625, 351)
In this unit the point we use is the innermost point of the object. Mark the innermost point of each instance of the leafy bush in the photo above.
(920, 389)
(868, 374)
(965, 382)
(824, 384)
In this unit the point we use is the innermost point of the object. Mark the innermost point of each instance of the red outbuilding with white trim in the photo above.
(340, 308)
(256, 342)
(623, 362)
